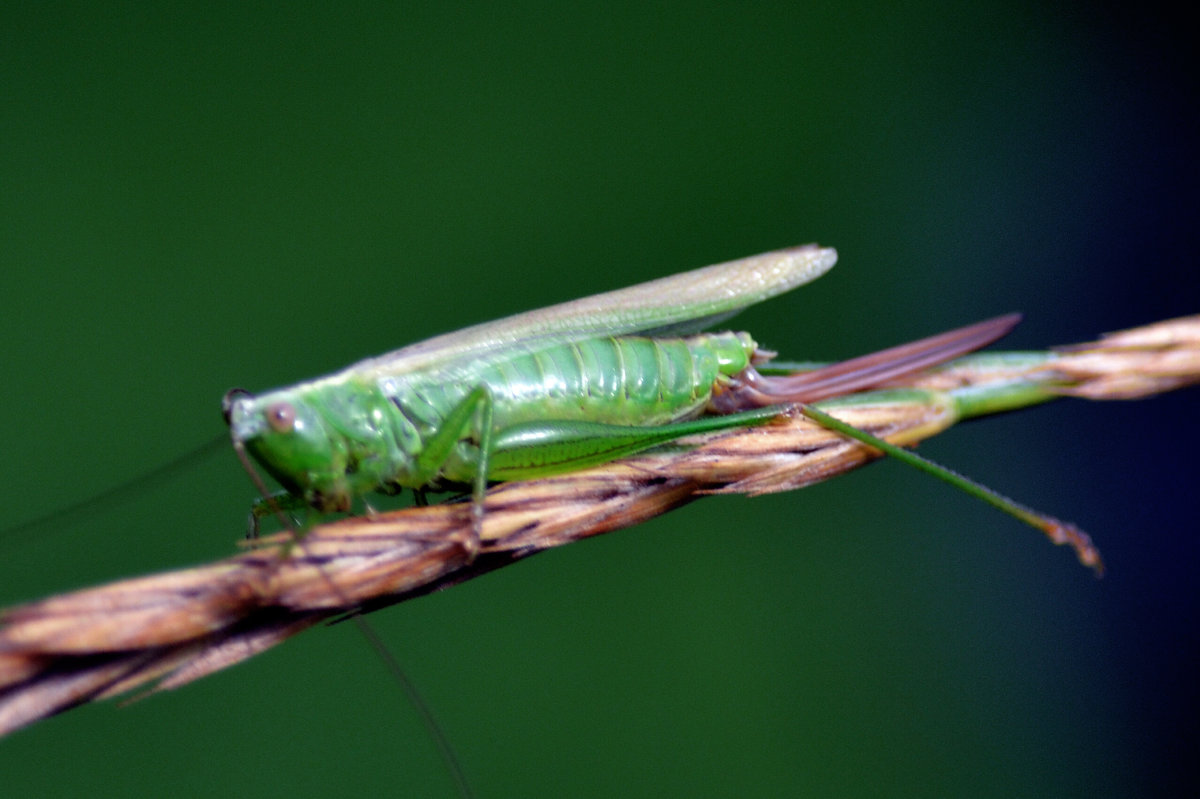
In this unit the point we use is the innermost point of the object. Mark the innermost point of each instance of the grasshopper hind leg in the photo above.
(750, 389)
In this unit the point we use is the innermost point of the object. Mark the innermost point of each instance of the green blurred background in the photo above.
(197, 197)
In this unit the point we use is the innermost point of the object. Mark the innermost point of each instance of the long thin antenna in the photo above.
(115, 494)
(390, 662)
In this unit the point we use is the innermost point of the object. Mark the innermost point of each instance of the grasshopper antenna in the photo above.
(118, 493)
(390, 662)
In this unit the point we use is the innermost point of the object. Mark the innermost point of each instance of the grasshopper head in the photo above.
(287, 435)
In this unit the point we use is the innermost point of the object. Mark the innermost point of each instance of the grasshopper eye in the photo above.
(281, 416)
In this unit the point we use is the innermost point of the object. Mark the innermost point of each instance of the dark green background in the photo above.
(197, 198)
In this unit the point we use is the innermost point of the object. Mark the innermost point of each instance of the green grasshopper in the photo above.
(556, 389)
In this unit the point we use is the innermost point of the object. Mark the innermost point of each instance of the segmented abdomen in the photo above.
(627, 380)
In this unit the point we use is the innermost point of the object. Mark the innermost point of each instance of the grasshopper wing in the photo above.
(677, 304)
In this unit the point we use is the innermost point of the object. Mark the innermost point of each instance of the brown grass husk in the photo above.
(163, 631)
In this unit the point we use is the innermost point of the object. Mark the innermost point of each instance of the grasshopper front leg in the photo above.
(273, 503)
